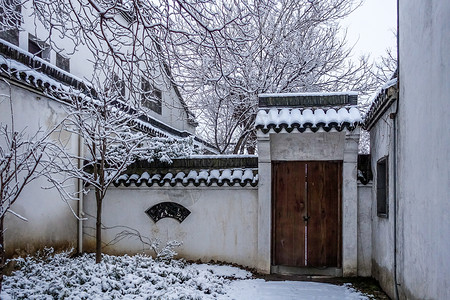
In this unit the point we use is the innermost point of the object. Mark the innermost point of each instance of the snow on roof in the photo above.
(58, 90)
(381, 99)
(30, 76)
(22, 53)
(207, 177)
(308, 118)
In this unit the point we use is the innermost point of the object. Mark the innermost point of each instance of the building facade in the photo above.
(410, 159)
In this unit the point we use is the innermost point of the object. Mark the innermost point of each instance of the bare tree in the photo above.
(22, 159)
(385, 66)
(107, 126)
(284, 46)
(129, 43)
(140, 38)
(104, 124)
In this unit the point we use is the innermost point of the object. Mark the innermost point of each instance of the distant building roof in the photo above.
(25, 68)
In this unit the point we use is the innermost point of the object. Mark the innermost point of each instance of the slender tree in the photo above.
(107, 126)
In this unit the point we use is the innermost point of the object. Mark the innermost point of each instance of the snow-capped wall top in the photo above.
(307, 118)
(308, 94)
(302, 100)
(381, 100)
(217, 177)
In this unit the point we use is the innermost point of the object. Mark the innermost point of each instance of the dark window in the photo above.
(383, 187)
(11, 36)
(38, 48)
(62, 62)
(151, 97)
(119, 86)
(168, 210)
(10, 16)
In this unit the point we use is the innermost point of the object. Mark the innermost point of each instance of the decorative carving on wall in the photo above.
(168, 210)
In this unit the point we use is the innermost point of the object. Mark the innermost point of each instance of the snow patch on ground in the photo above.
(284, 290)
(142, 277)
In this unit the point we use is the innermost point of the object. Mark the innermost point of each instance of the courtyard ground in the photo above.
(60, 276)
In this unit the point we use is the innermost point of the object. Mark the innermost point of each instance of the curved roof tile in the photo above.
(308, 118)
(230, 177)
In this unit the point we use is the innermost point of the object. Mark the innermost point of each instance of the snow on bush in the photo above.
(165, 149)
(58, 276)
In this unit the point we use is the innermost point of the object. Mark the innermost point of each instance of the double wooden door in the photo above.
(306, 213)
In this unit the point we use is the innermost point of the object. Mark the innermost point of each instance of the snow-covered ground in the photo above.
(141, 277)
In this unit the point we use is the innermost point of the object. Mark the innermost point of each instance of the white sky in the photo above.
(372, 27)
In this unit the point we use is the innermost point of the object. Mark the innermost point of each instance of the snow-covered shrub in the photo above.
(59, 276)
(166, 149)
(166, 253)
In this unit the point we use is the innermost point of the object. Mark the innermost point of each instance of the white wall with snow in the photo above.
(222, 225)
(422, 158)
(50, 221)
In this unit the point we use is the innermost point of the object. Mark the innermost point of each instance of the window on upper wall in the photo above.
(151, 97)
(383, 187)
(11, 36)
(119, 86)
(62, 62)
(10, 14)
(38, 48)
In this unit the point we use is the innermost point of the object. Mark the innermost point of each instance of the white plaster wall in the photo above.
(222, 225)
(381, 140)
(50, 221)
(81, 66)
(365, 229)
(307, 146)
(264, 203)
(424, 147)
(173, 112)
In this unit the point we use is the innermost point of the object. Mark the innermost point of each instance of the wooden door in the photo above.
(289, 210)
(306, 217)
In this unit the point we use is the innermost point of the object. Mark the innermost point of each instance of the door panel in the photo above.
(323, 210)
(289, 209)
(308, 190)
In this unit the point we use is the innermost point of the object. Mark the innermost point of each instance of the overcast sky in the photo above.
(372, 27)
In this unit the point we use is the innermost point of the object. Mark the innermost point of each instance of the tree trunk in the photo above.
(98, 228)
(2, 253)
(239, 143)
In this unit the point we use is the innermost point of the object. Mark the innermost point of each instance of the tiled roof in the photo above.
(382, 99)
(20, 66)
(230, 177)
(206, 170)
(303, 119)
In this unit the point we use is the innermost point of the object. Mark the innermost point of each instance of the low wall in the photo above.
(221, 197)
(222, 224)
